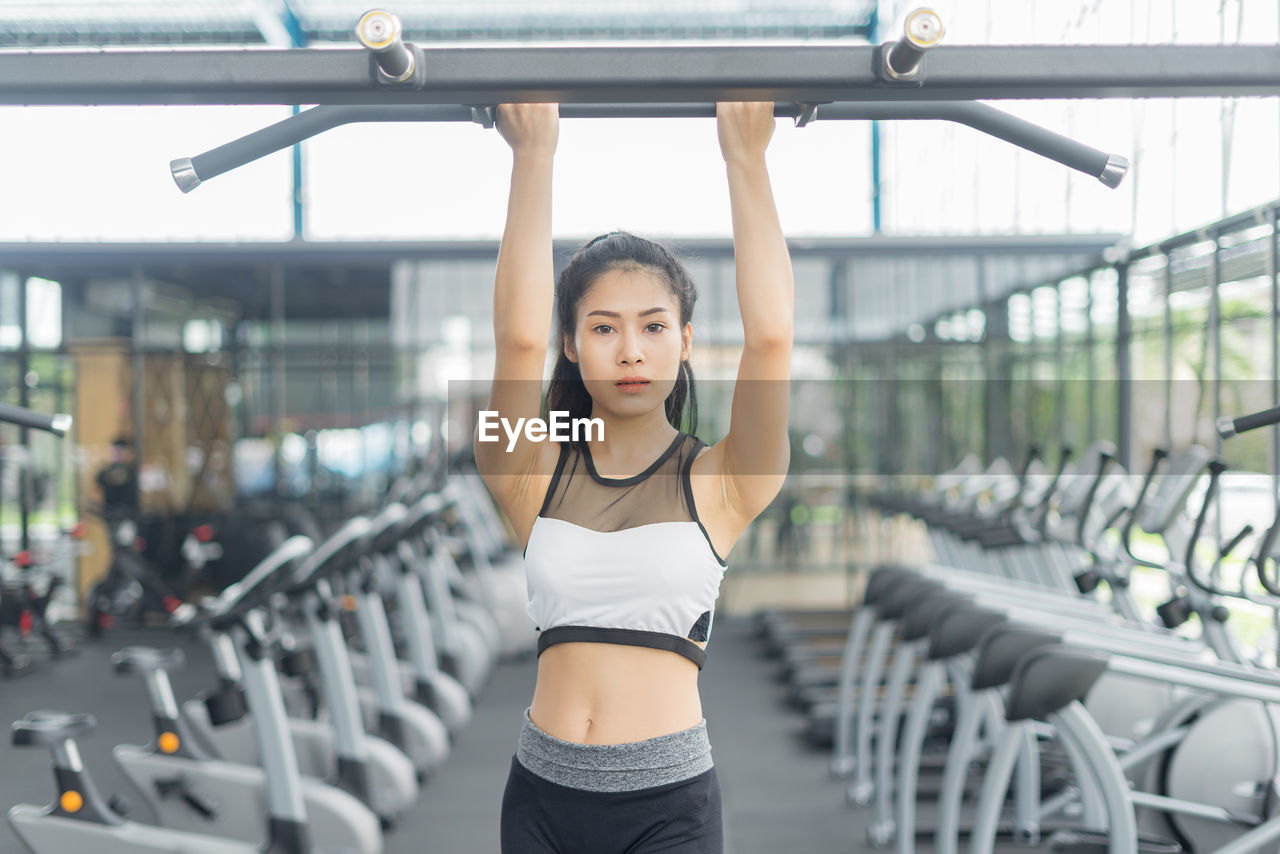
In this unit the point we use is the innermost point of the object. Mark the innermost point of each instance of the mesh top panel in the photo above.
(582, 497)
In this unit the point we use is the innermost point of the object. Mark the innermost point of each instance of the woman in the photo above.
(624, 533)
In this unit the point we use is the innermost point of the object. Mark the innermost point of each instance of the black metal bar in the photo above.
(190, 172)
(1228, 426)
(921, 32)
(63, 258)
(427, 24)
(1110, 169)
(803, 73)
(58, 425)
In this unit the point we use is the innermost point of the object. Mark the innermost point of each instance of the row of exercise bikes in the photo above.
(1015, 692)
(346, 665)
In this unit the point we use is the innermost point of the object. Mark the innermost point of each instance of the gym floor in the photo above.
(777, 795)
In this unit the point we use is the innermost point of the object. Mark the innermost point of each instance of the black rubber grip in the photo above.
(31, 419)
(1265, 418)
(1230, 546)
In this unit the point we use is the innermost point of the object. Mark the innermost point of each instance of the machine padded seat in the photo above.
(903, 596)
(45, 728)
(883, 580)
(144, 659)
(1048, 678)
(959, 631)
(387, 528)
(1000, 649)
(921, 617)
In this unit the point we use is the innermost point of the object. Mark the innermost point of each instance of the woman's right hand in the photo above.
(530, 127)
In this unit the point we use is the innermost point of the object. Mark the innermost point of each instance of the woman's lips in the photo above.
(631, 385)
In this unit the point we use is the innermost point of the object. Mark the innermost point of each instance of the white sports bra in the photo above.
(623, 560)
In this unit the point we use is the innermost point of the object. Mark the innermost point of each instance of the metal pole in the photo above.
(1273, 270)
(1089, 376)
(1215, 338)
(1060, 403)
(137, 339)
(24, 400)
(1215, 332)
(873, 36)
(1168, 350)
(1124, 368)
(279, 404)
(190, 172)
(795, 73)
(297, 185)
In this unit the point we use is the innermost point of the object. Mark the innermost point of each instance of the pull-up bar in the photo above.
(1110, 169)
(399, 64)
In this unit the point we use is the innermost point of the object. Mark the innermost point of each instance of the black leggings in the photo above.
(542, 817)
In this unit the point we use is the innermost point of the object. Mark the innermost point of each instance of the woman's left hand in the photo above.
(744, 128)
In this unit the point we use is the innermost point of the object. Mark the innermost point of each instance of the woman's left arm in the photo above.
(756, 451)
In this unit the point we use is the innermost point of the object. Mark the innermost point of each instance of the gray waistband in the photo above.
(615, 767)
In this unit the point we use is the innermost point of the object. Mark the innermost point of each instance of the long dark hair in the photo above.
(618, 250)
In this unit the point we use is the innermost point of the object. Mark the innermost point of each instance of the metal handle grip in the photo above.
(58, 425)
(1228, 427)
(1110, 169)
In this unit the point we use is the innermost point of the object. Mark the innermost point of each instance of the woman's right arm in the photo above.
(522, 299)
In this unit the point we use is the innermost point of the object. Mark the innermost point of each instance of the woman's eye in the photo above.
(603, 329)
(655, 327)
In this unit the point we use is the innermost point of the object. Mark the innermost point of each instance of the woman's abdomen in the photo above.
(594, 693)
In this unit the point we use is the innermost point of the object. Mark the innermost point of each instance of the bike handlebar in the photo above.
(1158, 456)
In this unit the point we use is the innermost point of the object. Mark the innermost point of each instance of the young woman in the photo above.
(626, 534)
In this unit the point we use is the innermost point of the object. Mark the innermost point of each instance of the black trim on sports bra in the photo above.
(551, 488)
(628, 637)
(555, 478)
(636, 478)
(685, 472)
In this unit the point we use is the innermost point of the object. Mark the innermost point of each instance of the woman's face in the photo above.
(628, 343)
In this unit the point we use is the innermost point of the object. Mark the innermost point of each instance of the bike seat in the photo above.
(999, 650)
(927, 610)
(337, 554)
(387, 528)
(45, 728)
(1048, 678)
(959, 630)
(903, 596)
(144, 659)
(423, 512)
(883, 580)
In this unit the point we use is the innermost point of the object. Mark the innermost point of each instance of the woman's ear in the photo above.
(686, 347)
(570, 352)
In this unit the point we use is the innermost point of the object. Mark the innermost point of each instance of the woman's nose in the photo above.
(630, 352)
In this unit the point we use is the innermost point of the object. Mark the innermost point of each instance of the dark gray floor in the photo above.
(777, 796)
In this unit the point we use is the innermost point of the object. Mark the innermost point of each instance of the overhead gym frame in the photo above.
(392, 80)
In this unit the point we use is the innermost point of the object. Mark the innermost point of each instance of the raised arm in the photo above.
(755, 450)
(522, 296)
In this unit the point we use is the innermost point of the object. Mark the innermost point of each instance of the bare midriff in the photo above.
(604, 693)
